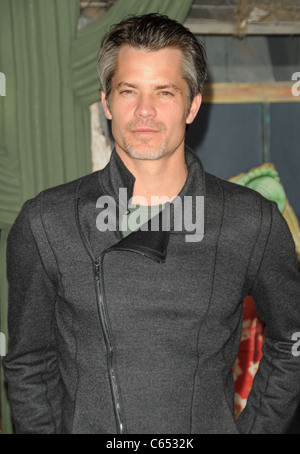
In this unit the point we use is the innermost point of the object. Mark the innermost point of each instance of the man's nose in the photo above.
(145, 106)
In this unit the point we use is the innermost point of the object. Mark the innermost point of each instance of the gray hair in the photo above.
(153, 32)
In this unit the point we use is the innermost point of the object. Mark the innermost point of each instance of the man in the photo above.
(137, 332)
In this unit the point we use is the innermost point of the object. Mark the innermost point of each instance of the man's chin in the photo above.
(146, 153)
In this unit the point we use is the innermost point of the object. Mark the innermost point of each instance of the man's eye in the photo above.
(166, 93)
(126, 92)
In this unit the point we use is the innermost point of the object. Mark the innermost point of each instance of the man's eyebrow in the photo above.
(125, 84)
(168, 87)
(157, 87)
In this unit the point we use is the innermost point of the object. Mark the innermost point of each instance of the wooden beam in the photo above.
(223, 27)
(233, 93)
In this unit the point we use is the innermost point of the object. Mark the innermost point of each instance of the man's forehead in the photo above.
(163, 64)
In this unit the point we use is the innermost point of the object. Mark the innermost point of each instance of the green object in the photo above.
(266, 182)
(51, 76)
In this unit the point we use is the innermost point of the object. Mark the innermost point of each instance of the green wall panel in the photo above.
(51, 79)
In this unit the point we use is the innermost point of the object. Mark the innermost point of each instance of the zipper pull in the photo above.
(97, 269)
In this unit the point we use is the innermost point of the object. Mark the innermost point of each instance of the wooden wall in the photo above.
(250, 115)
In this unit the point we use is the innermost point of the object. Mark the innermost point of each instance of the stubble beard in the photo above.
(144, 150)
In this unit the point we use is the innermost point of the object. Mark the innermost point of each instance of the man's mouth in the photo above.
(144, 131)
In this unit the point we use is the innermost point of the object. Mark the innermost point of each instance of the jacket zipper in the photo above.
(110, 351)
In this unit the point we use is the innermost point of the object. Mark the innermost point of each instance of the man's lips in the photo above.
(144, 131)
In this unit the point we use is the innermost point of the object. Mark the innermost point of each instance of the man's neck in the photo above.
(156, 181)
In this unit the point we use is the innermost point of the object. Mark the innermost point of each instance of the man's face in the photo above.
(148, 103)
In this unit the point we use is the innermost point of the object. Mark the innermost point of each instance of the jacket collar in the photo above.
(116, 175)
(146, 241)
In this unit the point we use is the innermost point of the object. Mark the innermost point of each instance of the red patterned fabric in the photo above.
(249, 355)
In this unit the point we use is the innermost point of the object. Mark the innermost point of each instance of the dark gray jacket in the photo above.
(139, 334)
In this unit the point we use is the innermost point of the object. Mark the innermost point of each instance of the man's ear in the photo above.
(105, 105)
(195, 106)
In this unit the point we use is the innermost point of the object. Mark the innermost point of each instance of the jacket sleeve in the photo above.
(274, 396)
(30, 366)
